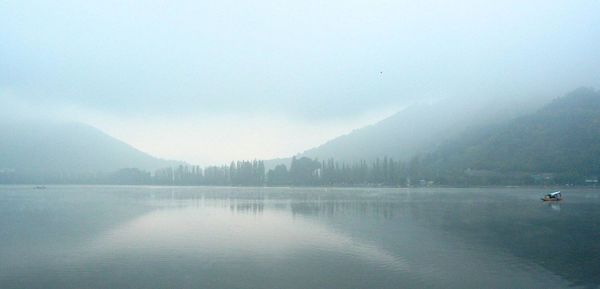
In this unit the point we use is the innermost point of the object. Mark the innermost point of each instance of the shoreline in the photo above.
(35, 185)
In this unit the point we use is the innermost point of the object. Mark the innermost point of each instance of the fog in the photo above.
(209, 82)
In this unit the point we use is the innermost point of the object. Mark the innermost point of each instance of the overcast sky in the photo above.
(212, 81)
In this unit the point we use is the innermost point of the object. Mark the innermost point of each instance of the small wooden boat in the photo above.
(552, 197)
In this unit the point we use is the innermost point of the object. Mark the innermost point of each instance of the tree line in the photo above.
(302, 171)
(424, 170)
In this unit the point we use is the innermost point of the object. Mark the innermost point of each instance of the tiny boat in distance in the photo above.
(552, 197)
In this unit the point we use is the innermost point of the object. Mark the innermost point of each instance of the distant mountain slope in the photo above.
(419, 128)
(37, 147)
(562, 137)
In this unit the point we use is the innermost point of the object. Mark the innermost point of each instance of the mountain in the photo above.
(559, 142)
(452, 143)
(419, 128)
(37, 147)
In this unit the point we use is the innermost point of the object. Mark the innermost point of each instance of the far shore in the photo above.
(553, 187)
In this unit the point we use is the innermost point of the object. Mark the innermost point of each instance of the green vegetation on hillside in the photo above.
(558, 144)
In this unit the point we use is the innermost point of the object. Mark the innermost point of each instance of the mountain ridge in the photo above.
(560, 141)
(34, 146)
(419, 128)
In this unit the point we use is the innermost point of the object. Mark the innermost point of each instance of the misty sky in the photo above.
(213, 81)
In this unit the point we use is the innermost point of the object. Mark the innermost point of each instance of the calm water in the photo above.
(156, 237)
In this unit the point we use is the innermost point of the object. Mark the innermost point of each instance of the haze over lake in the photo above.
(227, 237)
(285, 144)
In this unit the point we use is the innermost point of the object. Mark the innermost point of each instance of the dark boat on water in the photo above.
(552, 197)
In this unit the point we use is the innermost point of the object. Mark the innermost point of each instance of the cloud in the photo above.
(307, 59)
(215, 139)
(208, 70)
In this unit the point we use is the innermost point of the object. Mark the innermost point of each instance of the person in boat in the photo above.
(554, 196)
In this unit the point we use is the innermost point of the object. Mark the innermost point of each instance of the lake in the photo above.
(222, 237)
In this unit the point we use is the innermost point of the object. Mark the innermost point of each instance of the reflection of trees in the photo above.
(565, 242)
(562, 241)
(247, 207)
(379, 209)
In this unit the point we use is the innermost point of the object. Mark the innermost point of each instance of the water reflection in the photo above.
(73, 237)
(245, 207)
(554, 206)
(506, 221)
(210, 232)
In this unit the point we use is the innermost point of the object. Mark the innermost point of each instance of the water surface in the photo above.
(203, 237)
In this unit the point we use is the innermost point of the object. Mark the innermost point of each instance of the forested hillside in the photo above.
(420, 128)
(46, 148)
(558, 143)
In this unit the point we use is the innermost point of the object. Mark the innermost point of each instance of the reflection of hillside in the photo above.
(561, 238)
(38, 227)
(564, 242)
